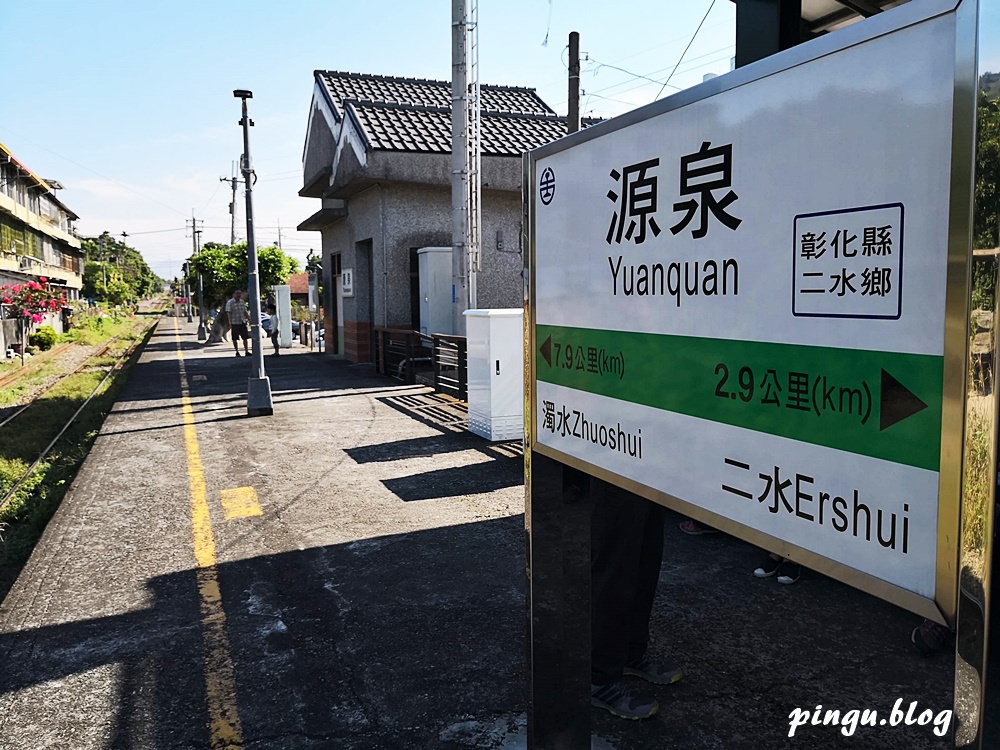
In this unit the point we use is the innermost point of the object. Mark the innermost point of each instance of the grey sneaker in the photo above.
(789, 572)
(650, 671)
(622, 701)
(768, 568)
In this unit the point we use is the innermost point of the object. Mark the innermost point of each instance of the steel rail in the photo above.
(6, 499)
(100, 352)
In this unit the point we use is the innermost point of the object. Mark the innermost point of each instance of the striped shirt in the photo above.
(237, 311)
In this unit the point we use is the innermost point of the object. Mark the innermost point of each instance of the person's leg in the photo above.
(236, 338)
(647, 577)
(616, 533)
(616, 543)
(638, 661)
(246, 337)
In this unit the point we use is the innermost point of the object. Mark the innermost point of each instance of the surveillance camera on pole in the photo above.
(259, 387)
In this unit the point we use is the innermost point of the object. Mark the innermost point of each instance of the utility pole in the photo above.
(194, 251)
(104, 267)
(573, 115)
(186, 269)
(473, 158)
(202, 312)
(259, 401)
(232, 209)
(465, 177)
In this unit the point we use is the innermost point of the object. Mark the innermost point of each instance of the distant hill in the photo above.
(990, 84)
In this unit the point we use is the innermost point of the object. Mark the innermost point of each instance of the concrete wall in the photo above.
(319, 153)
(9, 330)
(383, 224)
(500, 283)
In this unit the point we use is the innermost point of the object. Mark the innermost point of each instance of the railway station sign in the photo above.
(739, 299)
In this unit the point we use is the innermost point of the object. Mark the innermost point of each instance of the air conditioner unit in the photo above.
(26, 263)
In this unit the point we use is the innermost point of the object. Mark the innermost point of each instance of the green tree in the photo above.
(112, 268)
(223, 269)
(986, 215)
(987, 196)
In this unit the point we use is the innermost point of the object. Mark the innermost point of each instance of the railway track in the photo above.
(14, 377)
(101, 352)
(11, 378)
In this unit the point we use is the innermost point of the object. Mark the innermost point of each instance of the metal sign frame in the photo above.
(955, 357)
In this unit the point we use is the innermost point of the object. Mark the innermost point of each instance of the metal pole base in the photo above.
(259, 397)
(202, 333)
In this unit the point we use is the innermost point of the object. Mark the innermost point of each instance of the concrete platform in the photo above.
(349, 573)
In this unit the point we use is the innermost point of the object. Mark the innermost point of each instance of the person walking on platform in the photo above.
(625, 557)
(274, 326)
(239, 315)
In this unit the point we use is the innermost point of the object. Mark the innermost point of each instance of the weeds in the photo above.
(29, 510)
(977, 477)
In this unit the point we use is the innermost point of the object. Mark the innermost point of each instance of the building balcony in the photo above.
(39, 222)
(29, 268)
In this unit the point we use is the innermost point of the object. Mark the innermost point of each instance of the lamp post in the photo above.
(202, 332)
(259, 387)
(187, 290)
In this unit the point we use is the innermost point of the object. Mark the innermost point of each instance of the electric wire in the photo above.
(681, 58)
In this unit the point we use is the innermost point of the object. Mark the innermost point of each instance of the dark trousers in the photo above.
(625, 558)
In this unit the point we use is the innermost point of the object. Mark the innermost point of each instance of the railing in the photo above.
(451, 366)
(400, 353)
(403, 354)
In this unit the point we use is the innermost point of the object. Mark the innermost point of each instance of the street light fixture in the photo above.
(259, 387)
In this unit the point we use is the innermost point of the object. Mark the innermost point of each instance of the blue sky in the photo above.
(129, 105)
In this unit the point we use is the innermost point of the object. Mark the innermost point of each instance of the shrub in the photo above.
(44, 338)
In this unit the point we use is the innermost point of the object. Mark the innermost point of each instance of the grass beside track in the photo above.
(24, 518)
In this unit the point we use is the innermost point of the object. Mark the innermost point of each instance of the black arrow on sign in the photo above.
(546, 350)
(898, 402)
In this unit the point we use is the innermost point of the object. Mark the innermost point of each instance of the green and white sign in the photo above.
(739, 296)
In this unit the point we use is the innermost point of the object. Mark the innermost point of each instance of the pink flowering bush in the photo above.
(29, 302)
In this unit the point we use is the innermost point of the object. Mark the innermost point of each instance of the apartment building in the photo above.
(37, 233)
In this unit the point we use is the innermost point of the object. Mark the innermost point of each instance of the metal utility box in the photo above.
(434, 270)
(496, 373)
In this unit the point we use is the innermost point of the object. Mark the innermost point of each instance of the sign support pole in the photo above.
(558, 507)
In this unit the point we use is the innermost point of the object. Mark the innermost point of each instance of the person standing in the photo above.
(239, 315)
(625, 559)
(275, 327)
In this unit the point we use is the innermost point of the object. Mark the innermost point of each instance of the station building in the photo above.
(378, 157)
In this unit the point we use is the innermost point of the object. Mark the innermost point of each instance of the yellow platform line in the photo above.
(220, 676)
(240, 502)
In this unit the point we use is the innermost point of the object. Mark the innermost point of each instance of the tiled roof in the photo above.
(411, 115)
(423, 93)
(298, 283)
(393, 127)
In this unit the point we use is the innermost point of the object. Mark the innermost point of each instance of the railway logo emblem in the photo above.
(547, 186)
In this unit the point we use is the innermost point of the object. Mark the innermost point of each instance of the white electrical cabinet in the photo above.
(495, 340)
(434, 271)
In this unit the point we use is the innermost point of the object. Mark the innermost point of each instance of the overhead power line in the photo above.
(681, 58)
(160, 231)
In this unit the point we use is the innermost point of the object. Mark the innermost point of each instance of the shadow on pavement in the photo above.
(378, 643)
(417, 641)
